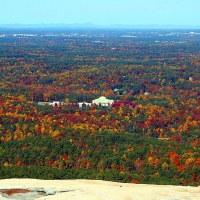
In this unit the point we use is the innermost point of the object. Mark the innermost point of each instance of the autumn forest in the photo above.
(150, 134)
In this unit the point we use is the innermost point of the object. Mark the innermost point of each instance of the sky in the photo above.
(101, 12)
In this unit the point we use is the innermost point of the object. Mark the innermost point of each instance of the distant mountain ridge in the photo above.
(94, 26)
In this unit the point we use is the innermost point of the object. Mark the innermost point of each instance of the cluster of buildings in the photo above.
(101, 101)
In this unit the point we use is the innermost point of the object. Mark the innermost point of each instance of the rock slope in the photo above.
(92, 189)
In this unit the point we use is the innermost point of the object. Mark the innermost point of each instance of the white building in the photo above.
(103, 101)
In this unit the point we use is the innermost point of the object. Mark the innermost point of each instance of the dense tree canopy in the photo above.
(149, 135)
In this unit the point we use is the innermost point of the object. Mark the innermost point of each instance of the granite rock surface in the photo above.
(93, 190)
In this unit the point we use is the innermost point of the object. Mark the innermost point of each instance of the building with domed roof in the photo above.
(103, 101)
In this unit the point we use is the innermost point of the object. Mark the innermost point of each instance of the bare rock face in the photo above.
(32, 189)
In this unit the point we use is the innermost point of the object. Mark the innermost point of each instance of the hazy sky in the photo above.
(101, 12)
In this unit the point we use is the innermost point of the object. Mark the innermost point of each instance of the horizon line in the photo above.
(91, 25)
